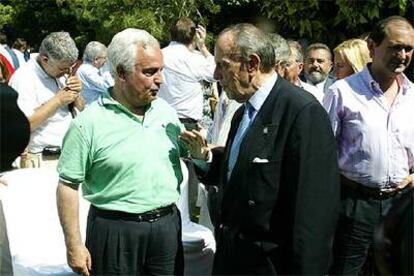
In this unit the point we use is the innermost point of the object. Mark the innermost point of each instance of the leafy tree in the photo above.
(328, 21)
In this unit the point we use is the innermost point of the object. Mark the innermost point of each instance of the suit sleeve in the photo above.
(314, 172)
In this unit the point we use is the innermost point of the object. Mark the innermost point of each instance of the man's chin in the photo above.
(315, 77)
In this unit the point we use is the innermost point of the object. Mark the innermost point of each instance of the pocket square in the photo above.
(260, 160)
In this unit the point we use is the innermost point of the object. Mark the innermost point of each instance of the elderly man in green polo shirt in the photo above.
(124, 150)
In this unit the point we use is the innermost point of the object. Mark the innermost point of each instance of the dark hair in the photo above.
(381, 28)
(183, 31)
(248, 39)
(19, 43)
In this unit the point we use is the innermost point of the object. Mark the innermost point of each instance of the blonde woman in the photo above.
(350, 57)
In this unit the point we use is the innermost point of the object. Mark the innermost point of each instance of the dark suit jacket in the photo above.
(292, 200)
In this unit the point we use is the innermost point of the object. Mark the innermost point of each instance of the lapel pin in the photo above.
(265, 130)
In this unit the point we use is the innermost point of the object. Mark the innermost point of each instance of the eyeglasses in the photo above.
(286, 63)
(62, 69)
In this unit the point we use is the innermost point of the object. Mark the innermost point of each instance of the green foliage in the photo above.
(317, 20)
(331, 21)
(6, 14)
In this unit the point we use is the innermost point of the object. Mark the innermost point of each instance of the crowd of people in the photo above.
(307, 152)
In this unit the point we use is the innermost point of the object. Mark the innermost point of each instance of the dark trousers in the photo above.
(120, 246)
(236, 254)
(360, 215)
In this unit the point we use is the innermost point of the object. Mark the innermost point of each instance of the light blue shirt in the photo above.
(93, 83)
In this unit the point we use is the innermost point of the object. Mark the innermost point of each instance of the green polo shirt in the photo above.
(124, 163)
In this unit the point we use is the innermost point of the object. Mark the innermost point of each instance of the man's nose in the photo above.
(402, 53)
(217, 74)
(158, 78)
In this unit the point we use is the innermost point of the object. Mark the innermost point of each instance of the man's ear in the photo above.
(254, 63)
(44, 58)
(300, 67)
(371, 45)
(121, 72)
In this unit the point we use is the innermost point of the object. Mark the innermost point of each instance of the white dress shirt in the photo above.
(35, 87)
(183, 73)
(317, 93)
(375, 139)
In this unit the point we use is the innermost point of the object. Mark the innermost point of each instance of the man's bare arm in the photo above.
(78, 256)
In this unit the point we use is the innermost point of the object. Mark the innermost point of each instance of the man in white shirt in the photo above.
(293, 67)
(187, 63)
(371, 114)
(94, 84)
(318, 64)
(49, 96)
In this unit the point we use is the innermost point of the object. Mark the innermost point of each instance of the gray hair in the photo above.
(122, 50)
(281, 47)
(249, 40)
(93, 50)
(59, 46)
(296, 50)
(317, 46)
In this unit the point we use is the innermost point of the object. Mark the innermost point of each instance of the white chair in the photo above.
(198, 241)
(34, 233)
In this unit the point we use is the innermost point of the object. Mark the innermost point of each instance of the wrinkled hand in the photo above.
(408, 181)
(66, 96)
(197, 144)
(79, 259)
(74, 83)
(200, 36)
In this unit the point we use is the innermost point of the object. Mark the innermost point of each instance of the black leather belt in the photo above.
(188, 121)
(375, 193)
(149, 216)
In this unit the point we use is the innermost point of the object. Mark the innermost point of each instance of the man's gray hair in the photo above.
(59, 46)
(281, 47)
(296, 50)
(122, 50)
(93, 50)
(317, 46)
(249, 40)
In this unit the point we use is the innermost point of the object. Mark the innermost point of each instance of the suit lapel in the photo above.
(256, 139)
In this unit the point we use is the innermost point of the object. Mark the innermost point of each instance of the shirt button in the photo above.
(251, 203)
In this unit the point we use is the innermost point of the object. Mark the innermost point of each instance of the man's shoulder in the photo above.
(293, 94)
(92, 114)
(25, 71)
(24, 76)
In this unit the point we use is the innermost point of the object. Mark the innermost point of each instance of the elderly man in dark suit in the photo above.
(277, 177)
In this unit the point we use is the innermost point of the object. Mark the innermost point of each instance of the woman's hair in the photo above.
(355, 52)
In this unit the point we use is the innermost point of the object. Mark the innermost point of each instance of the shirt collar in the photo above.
(39, 69)
(404, 83)
(107, 100)
(261, 94)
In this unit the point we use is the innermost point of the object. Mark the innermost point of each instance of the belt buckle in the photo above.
(155, 217)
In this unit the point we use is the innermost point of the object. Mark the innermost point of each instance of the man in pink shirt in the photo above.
(371, 114)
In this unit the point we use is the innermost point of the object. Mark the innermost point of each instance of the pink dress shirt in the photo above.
(375, 140)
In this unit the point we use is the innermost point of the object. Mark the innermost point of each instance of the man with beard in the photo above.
(318, 64)
(371, 114)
